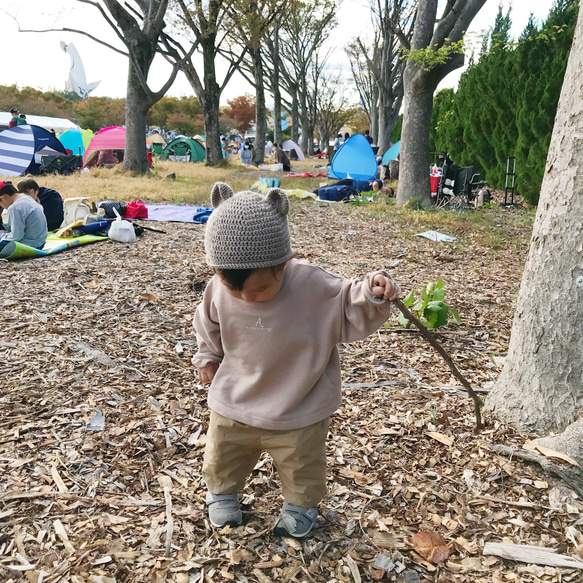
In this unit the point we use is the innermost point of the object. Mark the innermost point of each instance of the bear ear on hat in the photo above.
(277, 198)
(220, 193)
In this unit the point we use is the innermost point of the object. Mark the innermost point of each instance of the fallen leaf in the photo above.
(430, 545)
(238, 556)
(531, 446)
(440, 437)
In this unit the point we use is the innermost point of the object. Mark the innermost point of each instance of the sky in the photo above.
(36, 59)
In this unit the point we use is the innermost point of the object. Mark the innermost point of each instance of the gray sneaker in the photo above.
(224, 509)
(295, 521)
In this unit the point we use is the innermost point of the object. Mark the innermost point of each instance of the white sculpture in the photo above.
(77, 82)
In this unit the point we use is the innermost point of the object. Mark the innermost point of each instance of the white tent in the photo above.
(291, 145)
(48, 123)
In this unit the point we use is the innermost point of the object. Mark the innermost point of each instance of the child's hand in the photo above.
(385, 287)
(207, 373)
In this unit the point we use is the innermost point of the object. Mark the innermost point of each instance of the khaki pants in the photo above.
(233, 448)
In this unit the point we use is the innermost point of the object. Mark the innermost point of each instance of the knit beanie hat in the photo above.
(247, 230)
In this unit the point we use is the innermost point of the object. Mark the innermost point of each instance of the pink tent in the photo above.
(112, 138)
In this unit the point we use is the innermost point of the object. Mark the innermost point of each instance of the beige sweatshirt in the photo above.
(279, 365)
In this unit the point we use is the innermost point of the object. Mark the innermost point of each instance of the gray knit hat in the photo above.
(247, 230)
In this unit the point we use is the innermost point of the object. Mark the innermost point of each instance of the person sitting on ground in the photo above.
(368, 138)
(25, 220)
(107, 159)
(246, 154)
(14, 119)
(281, 157)
(21, 120)
(267, 331)
(49, 199)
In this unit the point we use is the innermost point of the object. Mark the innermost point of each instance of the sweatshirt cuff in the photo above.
(204, 360)
(367, 288)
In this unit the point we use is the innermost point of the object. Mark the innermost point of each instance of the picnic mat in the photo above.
(178, 213)
(53, 245)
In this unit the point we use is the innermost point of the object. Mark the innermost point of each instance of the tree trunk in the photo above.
(277, 134)
(137, 106)
(388, 114)
(541, 386)
(374, 124)
(305, 119)
(414, 167)
(212, 95)
(260, 115)
(212, 132)
(295, 133)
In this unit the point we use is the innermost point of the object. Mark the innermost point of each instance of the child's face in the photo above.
(261, 286)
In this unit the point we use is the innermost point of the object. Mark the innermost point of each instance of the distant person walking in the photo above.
(337, 142)
(368, 138)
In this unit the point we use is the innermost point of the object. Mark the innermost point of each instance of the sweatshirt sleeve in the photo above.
(363, 311)
(16, 224)
(208, 333)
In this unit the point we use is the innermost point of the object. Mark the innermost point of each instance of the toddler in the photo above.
(267, 330)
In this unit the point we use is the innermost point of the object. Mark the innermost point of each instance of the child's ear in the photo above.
(277, 198)
(220, 192)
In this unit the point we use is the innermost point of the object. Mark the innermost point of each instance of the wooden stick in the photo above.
(458, 375)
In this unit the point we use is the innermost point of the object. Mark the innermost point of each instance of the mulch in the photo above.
(103, 423)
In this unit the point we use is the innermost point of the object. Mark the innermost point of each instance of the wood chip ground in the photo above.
(101, 338)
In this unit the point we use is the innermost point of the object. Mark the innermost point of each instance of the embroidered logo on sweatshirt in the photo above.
(259, 327)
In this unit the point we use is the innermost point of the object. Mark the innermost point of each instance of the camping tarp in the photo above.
(354, 159)
(53, 245)
(112, 138)
(392, 153)
(76, 140)
(48, 123)
(291, 145)
(21, 148)
(183, 150)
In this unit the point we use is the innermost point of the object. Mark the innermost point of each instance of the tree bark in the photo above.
(387, 115)
(260, 114)
(277, 134)
(137, 106)
(540, 389)
(295, 133)
(210, 105)
(414, 170)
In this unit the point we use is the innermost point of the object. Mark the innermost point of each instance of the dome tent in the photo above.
(354, 159)
(21, 148)
(76, 140)
(184, 149)
(111, 138)
(392, 153)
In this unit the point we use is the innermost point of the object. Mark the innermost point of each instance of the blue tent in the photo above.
(21, 148)
(354, 159)
(392, 153)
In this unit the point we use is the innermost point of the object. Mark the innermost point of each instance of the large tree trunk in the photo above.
(414, 167)
(260, 115)
(138, 103)
(420, 82)
(540, 389)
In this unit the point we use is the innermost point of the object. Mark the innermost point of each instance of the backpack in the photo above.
(109, 205)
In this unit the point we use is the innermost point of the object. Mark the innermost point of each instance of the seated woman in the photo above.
(246, 154)
(48, 198)
(26, 221)
(281, 157)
